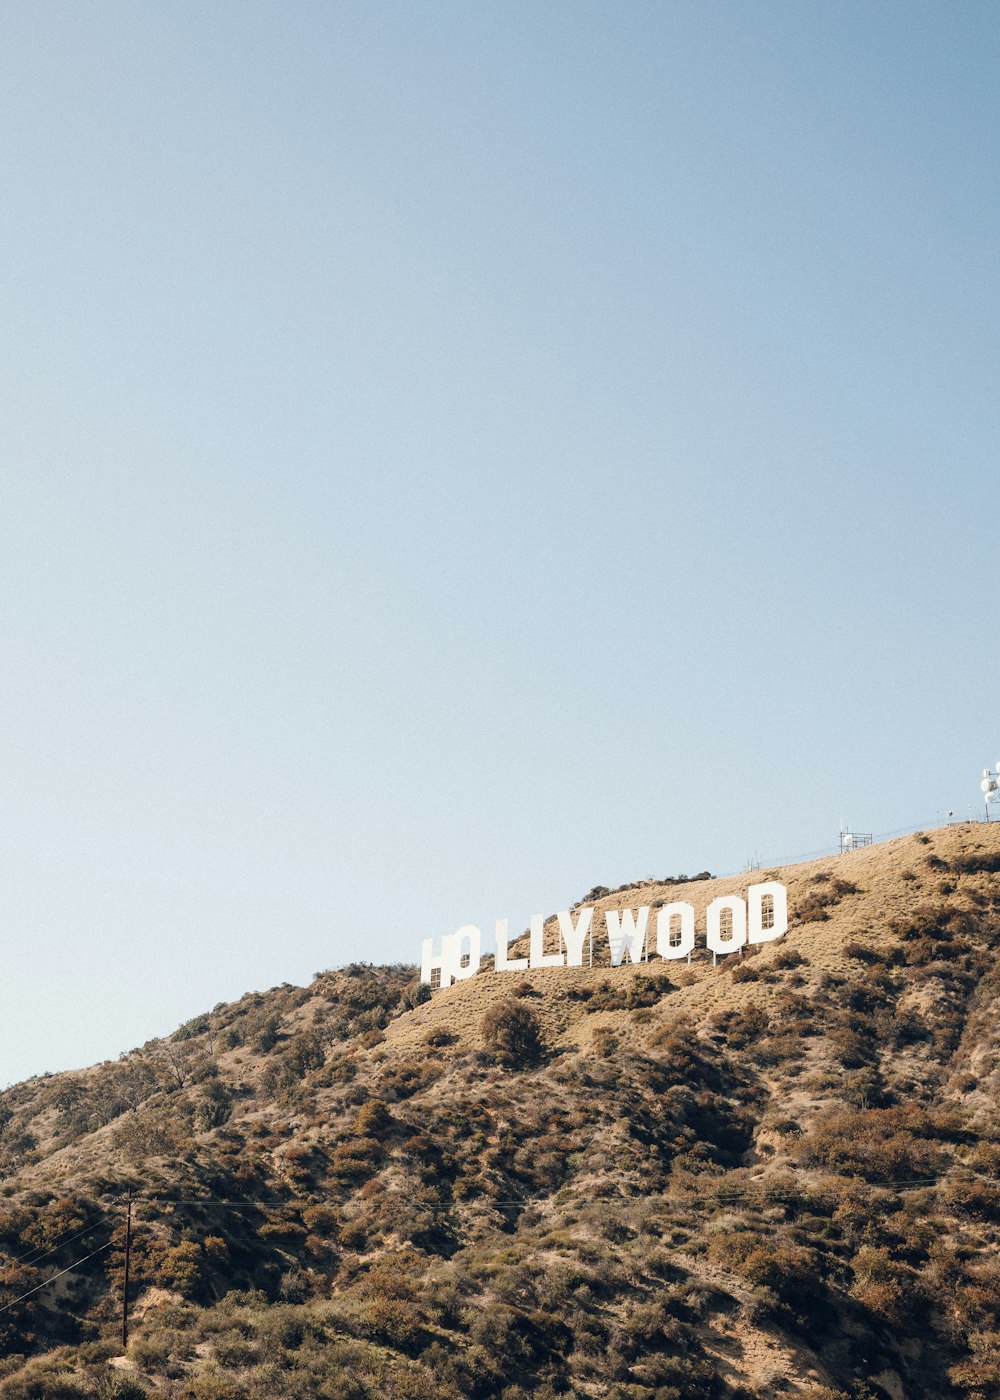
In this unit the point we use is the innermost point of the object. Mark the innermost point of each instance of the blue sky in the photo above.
(453, 455)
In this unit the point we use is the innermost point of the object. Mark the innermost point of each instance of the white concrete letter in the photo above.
(758, 932)
(625, 934)
(684, 945)
(440, 962)
(573, 937)
(737, 935)
(468, 935)
(539, 958)
(503, 963)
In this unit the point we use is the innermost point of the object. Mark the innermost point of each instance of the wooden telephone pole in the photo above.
(128, 1252)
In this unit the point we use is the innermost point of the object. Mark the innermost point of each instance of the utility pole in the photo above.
(128, 1252)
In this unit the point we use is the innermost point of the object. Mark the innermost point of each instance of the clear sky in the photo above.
(456, 454)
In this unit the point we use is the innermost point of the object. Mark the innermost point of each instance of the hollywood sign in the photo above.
(730, 924)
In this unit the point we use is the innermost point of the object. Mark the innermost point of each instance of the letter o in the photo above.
(714, 936)
(667, 914)
(471, 935)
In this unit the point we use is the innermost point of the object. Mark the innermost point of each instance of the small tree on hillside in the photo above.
(513, 1034)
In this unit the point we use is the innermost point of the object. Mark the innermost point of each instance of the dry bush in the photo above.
(637, 992)
(745, 1026)
(513, 1034)
(789, 958)
(404, 1080)
(825, 892)
(883, 1286)
(977, 865)
(743, 970)
(863, 952)
(183, 1268)
(373, 1119)
(882, 1145)
(978, 1199)
(357, 1159)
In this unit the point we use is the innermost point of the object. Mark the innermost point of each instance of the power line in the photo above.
(761, 1193)
(212, 1201)
(33, 1257)
(45, 1282)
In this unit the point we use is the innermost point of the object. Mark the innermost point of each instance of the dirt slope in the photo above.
(778, 1175)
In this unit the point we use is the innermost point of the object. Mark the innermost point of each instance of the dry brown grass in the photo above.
(814, 1125)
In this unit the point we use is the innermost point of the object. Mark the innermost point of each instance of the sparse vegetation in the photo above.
(798, 1151)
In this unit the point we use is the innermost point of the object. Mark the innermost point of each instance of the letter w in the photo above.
(624, 934)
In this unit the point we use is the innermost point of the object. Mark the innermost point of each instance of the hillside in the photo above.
(777, 1176)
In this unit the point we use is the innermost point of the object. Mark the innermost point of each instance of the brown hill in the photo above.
(775, 1176)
